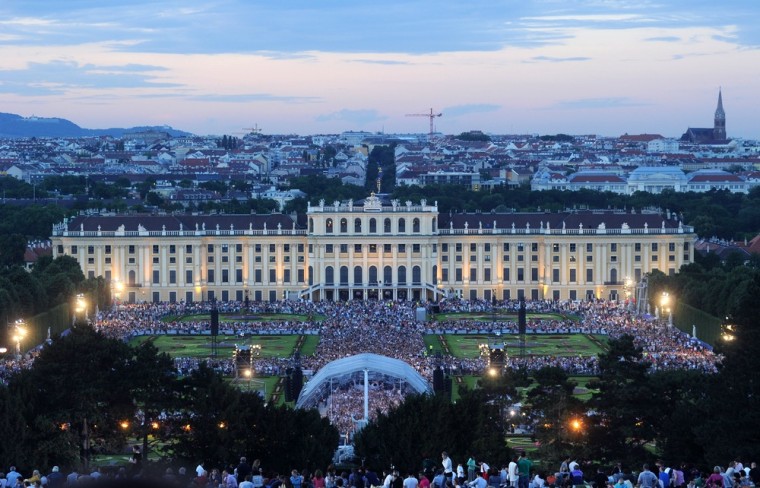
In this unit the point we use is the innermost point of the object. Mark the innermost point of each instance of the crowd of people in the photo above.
(344, 406)
(516, 472)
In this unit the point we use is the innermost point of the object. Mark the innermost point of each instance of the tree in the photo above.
(154, 199)
(12, 248)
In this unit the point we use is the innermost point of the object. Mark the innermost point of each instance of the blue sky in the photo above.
(597, 66)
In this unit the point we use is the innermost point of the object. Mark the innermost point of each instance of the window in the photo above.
(108, 249)
(387, 248)
(416, 248)
(189, 248)
(473, 258)
(343, 226)
(257, 248)
(286, 276)
(445, 275)
(445, 258)
(329, 226)
(172, 249)
(300, 275)
(344, 248)
(654, 258)
(458, 274)
(155, 260)
(238, 248)
(637, 247)
(156, 277)
(613, 247)
(505, 257)
(555, 276)
(520, 274)
(573, 276)
(173, 277)
(225, 276)
(671, 247)
(311, 225)
(372, 226)
(520, 247)
(357, 225)
(555, 247)
(328, 248)
(458, 247)
(188, 276)
(401, 226)
(505, 247)
(672, 258)
(225, 259)
(402, 275)
(534, 247)
(401, 248)
(155, 248)
(416, 226)
(572, 247)
(357, 248)
(272, 275)
(444, 247)
(473, 274)
(505, 274)
(473, 247)
(210, 276)
(373, 248)
(329, 275)
(131, 249)
(685, 246)
(589, 275)
(534, 258)
(487, 274)
(486, 247)
(257, 276)
(533, 274)
(271, 248)
(655, 247)
(387, 226)
(210, 248)
(589, 247)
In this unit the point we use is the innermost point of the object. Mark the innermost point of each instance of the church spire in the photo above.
(719, 125)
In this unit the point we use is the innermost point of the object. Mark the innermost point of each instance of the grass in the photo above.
(195, 346)
(501, 316)
(256, 384)
(467, 346)
(310, 345)
(237, 317)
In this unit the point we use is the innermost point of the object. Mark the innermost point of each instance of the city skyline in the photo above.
(602, 67)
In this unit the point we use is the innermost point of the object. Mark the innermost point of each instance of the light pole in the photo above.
(117, 289)
(80, 307)
(19, 333)
(665, 307)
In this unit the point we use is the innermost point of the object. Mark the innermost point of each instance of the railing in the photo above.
(179, 233)
(539, 231)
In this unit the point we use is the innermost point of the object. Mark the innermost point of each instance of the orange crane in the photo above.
(432, 115)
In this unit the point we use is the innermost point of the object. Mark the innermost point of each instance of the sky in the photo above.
(604, 67)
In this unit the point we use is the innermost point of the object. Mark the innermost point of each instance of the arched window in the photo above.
(416, 275)
(434, 225)
(344, 275)
(613, 275)
(343, 226)
(131, 277)
(387, 275)
(357, 225)
(416, 225)
(311, 275)
(329, 226)
(435, 274)
(401, 226)
(387, 226)
(372, 275)
(402, 275)
(329, 278)
(372, 226)
(357, 275)
(311, 225)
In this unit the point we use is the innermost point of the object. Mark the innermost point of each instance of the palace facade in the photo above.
(375, 248)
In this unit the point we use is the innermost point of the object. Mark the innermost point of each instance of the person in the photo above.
(620, 483)
(485, 470)
(135, 461)
(576, 476)
(246, 483)
(424, 481)
(600, 479)
(479, 482)
(256, 478)
(460, 472)
(318, 481)
(512, 475)
(296, 479)
(471, 468)
(411, 481)
(538, 481)
(199, 470)
(55, 479)
(243, 469)
(439, 481)
(523, 470)
(388, 479)
(11, 477)
(754, 474)
(664, 477)
(715, 480)
(647, 479)
(447, 468)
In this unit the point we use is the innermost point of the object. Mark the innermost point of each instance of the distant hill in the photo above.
(12, 126)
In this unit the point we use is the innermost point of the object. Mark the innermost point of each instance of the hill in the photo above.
(12, 126)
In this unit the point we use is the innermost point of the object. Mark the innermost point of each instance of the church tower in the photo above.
(719, 127)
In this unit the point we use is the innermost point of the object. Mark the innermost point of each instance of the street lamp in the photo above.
(576, 425)
(80, 307)
(117, 287)
(665, 306)
(19, 334)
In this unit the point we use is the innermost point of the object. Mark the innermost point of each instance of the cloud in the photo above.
(474, 108)
(553, 59)
(253, 97)
(359, 116)
(59, 77)
(663, 39)
(597, 103)
(388, 62)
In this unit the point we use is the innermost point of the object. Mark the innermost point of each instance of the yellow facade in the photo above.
(375, 249)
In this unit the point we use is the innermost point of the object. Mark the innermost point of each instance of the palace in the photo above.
(375, 249)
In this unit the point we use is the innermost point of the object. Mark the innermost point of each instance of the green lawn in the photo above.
(242, 317)
(505, 316)
(310, 345)
(256, 383)
(466, 346)
(195, 346)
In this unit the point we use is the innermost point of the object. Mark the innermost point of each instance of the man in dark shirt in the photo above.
(243, 469)
(754, 474)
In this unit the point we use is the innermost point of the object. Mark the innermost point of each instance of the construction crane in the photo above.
(432, 115)
(252, 130)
